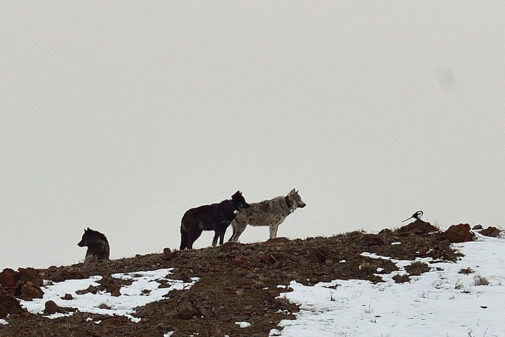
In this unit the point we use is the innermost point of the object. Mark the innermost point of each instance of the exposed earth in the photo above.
(237, 282)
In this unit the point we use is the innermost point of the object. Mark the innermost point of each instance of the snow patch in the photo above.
(3, 322)
(104, 303)
(243, 324)
(436, 303)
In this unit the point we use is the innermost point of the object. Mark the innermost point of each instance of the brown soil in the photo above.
(238, 282)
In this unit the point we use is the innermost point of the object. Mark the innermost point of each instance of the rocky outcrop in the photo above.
(459, 233)
(491, 231)
(417, 227)
(8, 303)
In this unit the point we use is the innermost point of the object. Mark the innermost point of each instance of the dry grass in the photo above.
(480, 280)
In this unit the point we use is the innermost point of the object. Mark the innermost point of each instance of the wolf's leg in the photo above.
(216, 235)
(234, 231)
(273, 229)
(196, 235)
(221, 236)
(184, 240)
(239, 228)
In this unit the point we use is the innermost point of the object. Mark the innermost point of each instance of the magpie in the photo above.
(417, 215)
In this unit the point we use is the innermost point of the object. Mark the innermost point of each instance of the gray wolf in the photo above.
(266, 213)
(98, 246)
(216, 217)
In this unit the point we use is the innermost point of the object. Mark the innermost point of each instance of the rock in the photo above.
(9, 302)
(477, 227)
(185, 313)
(459, 233)
(51, 308)
(491, 231)
(111, 285)
(3, 312)
(67, 297)
(418, 227)
(67, 274)
(29, 274)
(28, 291)
(8, 278)
(185, 310)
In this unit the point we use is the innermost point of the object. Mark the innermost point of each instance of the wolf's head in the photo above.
(239, 201)
(294, 199)
(91, 238)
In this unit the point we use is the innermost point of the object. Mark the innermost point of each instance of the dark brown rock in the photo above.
(9, 302)
(477, 227)
(90, 289)
(459, 233)
(111, 285)
(67, 297)
(51, 308)
(28, 291)
(185, 311)
(3, 312)
(8, 278)
(491, 231)
(29, 274)
(418, 227)
(67, 274)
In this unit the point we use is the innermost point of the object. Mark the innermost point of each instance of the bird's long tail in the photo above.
(407, 219)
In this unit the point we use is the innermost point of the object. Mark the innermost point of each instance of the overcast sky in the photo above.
(121, 115)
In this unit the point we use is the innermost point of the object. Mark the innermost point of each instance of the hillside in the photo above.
(235, 289)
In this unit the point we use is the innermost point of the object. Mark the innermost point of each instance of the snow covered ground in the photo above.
(437, 303)
(144, 289)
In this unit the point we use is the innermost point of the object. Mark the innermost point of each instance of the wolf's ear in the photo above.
(292, 192)
(87, 229)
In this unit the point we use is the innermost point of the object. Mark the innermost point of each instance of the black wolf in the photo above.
(216, 217)
(98, 246)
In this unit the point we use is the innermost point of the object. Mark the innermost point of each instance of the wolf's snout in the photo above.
(80, 244)
(302, 205)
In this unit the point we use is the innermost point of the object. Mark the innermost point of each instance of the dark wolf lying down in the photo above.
(216, 217)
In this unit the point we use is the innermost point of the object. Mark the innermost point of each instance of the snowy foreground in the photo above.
(144, 289)
(437, 303)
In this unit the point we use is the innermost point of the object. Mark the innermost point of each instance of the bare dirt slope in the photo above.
(237, 282)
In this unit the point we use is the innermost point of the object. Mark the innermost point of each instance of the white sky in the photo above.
(121, 115)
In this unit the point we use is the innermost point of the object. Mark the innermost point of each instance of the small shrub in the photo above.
(417, 268)
(104, 306)
(480, 280)
(465, 271)
(401, 278)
